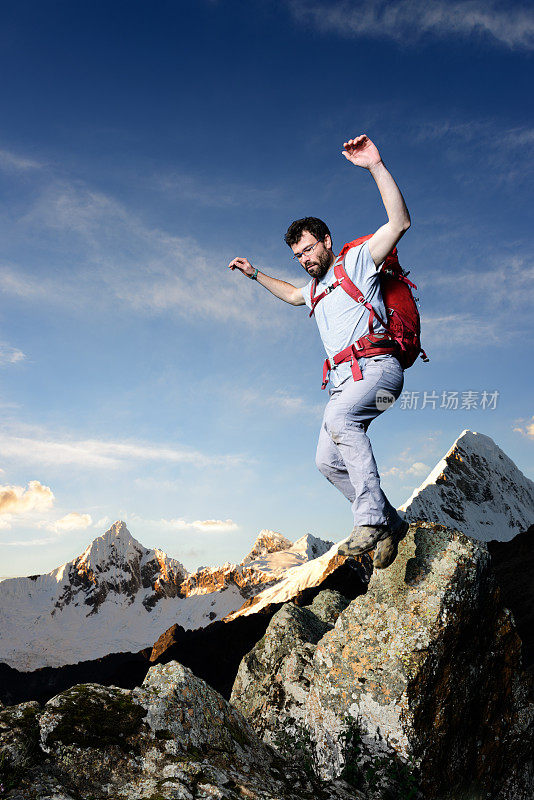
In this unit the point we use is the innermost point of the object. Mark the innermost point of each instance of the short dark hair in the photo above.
(313, 225)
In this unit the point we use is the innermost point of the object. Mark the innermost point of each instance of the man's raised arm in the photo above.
(281, 289)
(363, 153)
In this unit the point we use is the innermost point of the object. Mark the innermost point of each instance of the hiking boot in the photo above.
(387, 548)
(362, 539)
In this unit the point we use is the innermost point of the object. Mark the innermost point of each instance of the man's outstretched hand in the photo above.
(362, 152)
(243, 265)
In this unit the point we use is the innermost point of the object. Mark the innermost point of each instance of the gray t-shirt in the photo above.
(342, 321)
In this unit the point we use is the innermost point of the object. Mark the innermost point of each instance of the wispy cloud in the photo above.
(96, 453)
(417, 469)
(502, 287)
(508, 152)
(218, 194)
(283, 401)
(203, 526)
(117, 257)
(11, 161)
(73, 521)
(10, 355)
(410, 21)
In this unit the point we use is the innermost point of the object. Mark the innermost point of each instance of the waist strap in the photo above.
(366, 347)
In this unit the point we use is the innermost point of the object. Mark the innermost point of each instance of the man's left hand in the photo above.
(361, 152)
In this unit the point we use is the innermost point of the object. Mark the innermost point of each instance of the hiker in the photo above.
(362, 386)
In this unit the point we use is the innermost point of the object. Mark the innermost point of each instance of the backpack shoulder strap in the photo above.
(352, 290)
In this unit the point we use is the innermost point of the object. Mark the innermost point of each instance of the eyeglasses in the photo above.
(306, 251)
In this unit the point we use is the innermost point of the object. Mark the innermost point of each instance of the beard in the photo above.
(319, 268)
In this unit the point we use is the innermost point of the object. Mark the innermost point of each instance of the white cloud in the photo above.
(448, 330)
(204, 526)
(73, 521)
(31, 542)
(509, 151)
(19, 500)
(410, 21)
(95, 453)
(525, 428)
(418, 468)
(10, 355)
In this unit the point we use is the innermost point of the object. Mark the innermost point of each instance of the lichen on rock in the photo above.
(426, 665)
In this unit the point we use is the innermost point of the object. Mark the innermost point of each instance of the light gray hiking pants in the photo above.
(344, 453)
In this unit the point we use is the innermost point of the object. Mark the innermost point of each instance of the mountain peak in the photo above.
(477, 489)
(267, 542)
(116, 543)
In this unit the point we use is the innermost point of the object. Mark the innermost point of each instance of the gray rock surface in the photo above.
(173, 738)
(271, 684)
(419, 682)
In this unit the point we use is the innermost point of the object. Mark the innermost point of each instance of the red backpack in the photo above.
(403, 326)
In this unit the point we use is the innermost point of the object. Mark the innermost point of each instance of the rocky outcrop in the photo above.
(476, 489)
(173, 738)
(270, 686)
(420, 680)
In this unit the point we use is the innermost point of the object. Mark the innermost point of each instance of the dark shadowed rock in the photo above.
(513, 565)
(122, 669)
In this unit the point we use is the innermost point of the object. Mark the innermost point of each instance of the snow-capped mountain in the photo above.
(116, 563)
(274, 554)
(267, 542)
(119, 596)
(476, 489)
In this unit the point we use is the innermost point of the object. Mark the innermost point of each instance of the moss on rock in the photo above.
(89, 717)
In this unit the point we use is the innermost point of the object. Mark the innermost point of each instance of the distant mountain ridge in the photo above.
(119, 596)
(476, 489)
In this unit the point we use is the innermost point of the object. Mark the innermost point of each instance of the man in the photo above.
(344, 453)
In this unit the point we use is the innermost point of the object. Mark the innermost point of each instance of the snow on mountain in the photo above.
(477, 490)
(119, 596)
(276, 562)
(297, 579)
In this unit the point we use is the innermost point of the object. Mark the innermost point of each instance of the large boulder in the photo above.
(271, 684)
(173, 738)
(419, 683)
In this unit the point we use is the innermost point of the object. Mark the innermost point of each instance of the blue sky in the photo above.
(143, 146)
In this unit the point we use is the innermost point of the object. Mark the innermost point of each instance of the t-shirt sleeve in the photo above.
(306, 293)
(359, 265)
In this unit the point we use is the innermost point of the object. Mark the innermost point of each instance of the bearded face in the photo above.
(315, 256)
